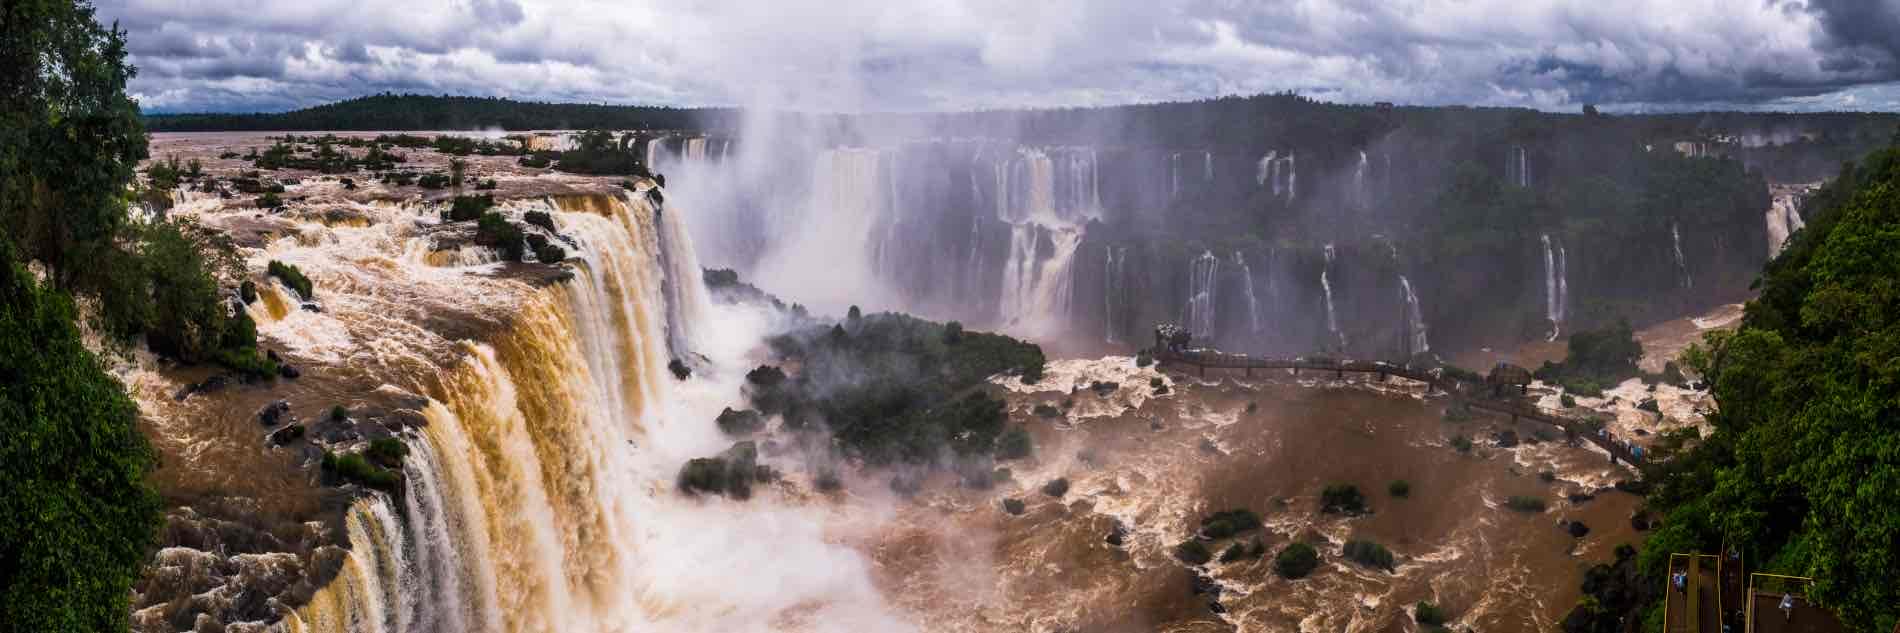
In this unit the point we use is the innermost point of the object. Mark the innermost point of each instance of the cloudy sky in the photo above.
(273, 55)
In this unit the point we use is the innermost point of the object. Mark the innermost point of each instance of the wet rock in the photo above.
(1014, 506)
(679, 369)
(1102, 388)
(731, 473)
(741, 422)
(209, 385)
(1649, 404)
(1200, 584)
(1117, 535)
(1640, 521)
(274, 413)
(1056, 487)
(286, 435)
(1208, 446)
(1577, 529)
(1580, 497)
(1505, 439)
(1046, 411)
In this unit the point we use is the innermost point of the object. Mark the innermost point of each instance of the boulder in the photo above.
(274, 413)
(731, 473)
(740, 422)
(286, 435)
(1505, 439)
(1056, 487)
(1013, 506)
(1577, 529)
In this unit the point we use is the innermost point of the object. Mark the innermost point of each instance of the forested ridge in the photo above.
(1802, 473)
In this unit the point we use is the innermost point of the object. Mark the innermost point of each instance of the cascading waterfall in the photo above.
(1207, 166)
(842, 221)
(1253, 303)
(653, 152)
(1043, 204)
(1115, 292)
(694, 149)
(1416, 340)
(1518, 167)
(1359, 179)
(1203, 281)
(1326, 286)
(538, 497)
(1783, 219)
(1556, 287)
(1174, 175)
(1683, 278)
(1279, 173)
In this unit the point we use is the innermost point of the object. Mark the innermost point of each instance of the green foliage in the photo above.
(1801, 470)
(1342, 499)
(293, 279)
(597, 152)
(1461, 443)
(1056, 487)
(1193, 552)
(545, 220)
(79, 512)
(1014, 443)
(1368, 553)
(1228, 523)
(386, 451)
(1522, 503)
(740, 422)
(339, 413)
(1399, 488)
(1295, 561)
(1566, 401)
(890, 390)
(356, 469)
(952, 332)
(465, 208)
(544, 249)
(1428, 614)
(495, 231)
(1596, 358)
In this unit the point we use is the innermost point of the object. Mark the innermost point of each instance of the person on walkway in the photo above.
(1682, 582)
(1787, 607)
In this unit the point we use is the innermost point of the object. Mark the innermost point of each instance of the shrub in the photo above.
(495, 231)
(1056, 487)
(541, 219)
(1461, 443)
(1193, 552)
(293, 279)
(1524, 504)
(1399, 488)
(1032, 374)
(486, 185)
(952, 332)
(1295, 561)
(338, 413)
(1368, 553)
(1342, 499)
(1043, 410)
(545, 251)
(1014, 506)
(247, 291)
(269, 201)
(1428, 614)
(465, 208)
(386, 451)
(1566, 401)
(1014, 443)
(1227, 523)
(354, 468)
(1144, 358)
(765, 376)
(1233, 553)
(434, 181)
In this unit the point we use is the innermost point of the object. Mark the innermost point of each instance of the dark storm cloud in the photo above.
(878, 54)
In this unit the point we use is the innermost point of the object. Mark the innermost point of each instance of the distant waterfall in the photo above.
(1556, 287)
(1417, 342)
(1115, 292)
(1683, 278)
(1207, 166)
(1253, 303)
(1359, 179)
(694, 149)
(1326, 285)
(1517, 167)
(1174, 175)
(1203, 281)
(653, 153)
(1783, 219)
(1279, 173)
(1043, 204)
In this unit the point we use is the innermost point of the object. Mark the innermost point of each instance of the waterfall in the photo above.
(844, 220)
(538, 497)
(1416, 341)
(1264, 172)
(1279, 173)
(1518, 167)
(1359, 179)
(1203, 281)
(1783, 219)
(1683, 278)
(1326, 286)
(653, 153)
(1115, 292)
(694, 149)
(1253, 304)
(687, 302)
(1043, 205)
(1556, 287)
(1292, 177)
(1174, 175)
(1207, 166)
